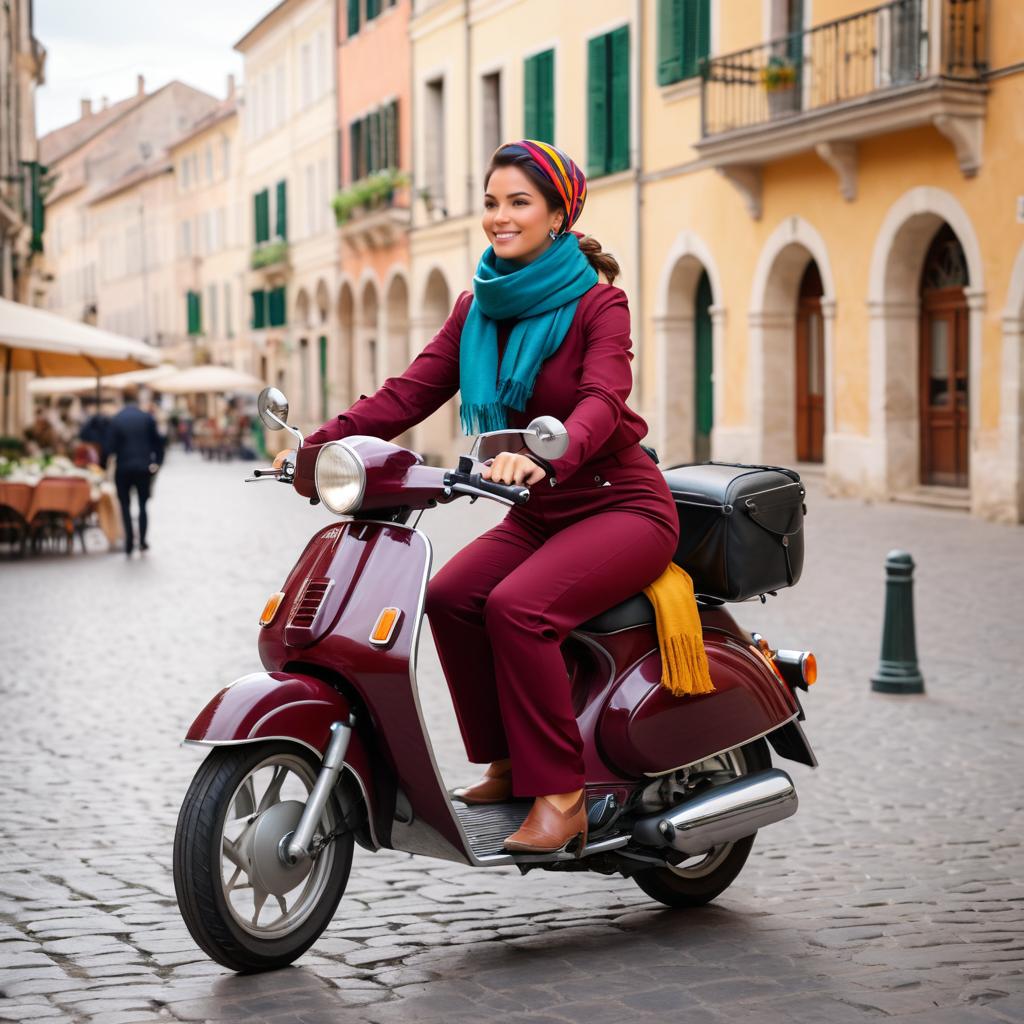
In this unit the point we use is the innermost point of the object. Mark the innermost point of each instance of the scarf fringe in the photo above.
(514, 393)
(685, 670)
(479, 419)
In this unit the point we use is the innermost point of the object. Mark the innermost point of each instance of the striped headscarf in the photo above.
(554, 166)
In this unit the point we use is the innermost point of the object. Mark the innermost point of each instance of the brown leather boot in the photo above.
(548, 829)
(491, 789)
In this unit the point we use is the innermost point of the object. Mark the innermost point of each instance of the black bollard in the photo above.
(897, 670)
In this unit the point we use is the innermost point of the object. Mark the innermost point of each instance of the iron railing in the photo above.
(886, 47)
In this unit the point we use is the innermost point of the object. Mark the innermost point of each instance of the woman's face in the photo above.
(516, 217)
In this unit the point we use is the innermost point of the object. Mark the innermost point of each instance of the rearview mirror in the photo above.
(546, 437)
(273, 408)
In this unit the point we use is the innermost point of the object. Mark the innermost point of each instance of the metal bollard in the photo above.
(897, 670)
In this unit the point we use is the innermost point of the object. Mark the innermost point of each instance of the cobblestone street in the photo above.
(896, 892)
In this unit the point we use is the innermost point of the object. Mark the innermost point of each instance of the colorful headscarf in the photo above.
(556, 167)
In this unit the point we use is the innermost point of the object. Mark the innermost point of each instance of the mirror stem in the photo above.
(291, 430)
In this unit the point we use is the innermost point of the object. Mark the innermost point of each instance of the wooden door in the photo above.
(943, 381)
(810, 369)
(704, 413)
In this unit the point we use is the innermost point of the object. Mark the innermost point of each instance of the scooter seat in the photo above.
(634, 611)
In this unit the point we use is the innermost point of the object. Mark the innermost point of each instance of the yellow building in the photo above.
(211, 240)
(820, 236)
(289, 130)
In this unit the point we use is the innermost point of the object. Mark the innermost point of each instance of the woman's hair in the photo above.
(603, 262)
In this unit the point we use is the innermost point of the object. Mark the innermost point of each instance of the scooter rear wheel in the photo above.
(698, 881)
(244, 906)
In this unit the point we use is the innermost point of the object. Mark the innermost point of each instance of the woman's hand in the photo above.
(512, 468)
(280, 457)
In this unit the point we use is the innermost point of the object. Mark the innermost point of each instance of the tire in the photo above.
(694, 885)
(207, 845)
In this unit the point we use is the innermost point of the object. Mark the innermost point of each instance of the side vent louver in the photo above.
(309, 603)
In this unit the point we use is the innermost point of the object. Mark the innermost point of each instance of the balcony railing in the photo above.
(852, 58)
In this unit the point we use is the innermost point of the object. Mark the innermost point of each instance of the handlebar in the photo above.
(473, 483)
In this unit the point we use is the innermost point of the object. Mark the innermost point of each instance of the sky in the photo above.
(95, 48)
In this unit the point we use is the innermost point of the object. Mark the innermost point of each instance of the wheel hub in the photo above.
(269, 872)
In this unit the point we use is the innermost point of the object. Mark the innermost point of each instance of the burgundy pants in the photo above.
(500, 609)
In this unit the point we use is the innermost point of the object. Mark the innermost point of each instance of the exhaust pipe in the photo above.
(722, 814)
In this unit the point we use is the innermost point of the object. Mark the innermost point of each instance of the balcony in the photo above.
(375, 226)
(900, 65)
(271, 258)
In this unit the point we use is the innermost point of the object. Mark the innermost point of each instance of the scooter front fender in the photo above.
(282, 706)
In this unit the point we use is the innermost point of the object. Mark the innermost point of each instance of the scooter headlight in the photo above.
(340, 477)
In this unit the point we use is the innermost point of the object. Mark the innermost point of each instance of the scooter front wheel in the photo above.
(244, 905)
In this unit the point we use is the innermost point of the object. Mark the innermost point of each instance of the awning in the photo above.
(112, 382)
(48, 345)
(200, 380)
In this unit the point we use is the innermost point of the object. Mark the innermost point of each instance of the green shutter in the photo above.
(367, 156)
(704, 394)
(193, 305)
(276, 306)
(393, 155)
(282, 209)
(261, 211)
(353, 17)
(322, 342)
(353, 145)
(670, 41)
(597, 106)
(259, 309)
(372, 9)
(696, 35)
(539, 97)
(619, 89)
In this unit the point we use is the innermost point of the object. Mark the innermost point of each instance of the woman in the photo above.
(538, 336)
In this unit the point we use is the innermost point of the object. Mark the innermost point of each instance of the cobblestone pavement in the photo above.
(897, 891)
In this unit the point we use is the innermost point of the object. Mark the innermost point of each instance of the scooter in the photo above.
(327, 747)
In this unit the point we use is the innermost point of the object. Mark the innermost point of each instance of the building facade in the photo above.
(210, 233)
(373, 205)
(289, 131)
(22, 61)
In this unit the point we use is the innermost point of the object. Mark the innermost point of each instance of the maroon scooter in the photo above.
(327, 747)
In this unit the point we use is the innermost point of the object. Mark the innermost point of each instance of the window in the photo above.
(539, 97)
(194, 313)
(684, 38)
(492, 136)
(209, 161)
(259, 309)
(281, 96)
(222, 228)
(186, 238)
(261, 217)
(225, 146)
(608, 102)
(306, 70)
(276, 306)
(186, 178)
(372, 9)
(229, 325)
(353, 17)
(434, 164)
(265, 108)
(322, 65)
(310, 199)
(211, 307)
(373, 141)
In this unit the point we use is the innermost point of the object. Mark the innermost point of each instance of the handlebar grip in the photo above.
(510, 492)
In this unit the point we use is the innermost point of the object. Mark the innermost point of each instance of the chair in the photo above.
(58, 511)
(15, 500)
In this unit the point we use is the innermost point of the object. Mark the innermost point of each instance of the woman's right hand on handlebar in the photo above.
(280, 457)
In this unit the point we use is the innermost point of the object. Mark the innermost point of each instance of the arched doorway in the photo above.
(810, 368)
(436, 438)
(944, 407)
(368, 348)
(396, 334)
(344, 372)
(703, 370)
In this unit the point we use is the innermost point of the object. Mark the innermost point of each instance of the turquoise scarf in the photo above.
(542, 297)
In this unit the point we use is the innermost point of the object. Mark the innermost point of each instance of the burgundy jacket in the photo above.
(584, 384)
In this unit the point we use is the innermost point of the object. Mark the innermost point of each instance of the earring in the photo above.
(552, 234)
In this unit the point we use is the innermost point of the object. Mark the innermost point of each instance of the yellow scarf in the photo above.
(684, 663)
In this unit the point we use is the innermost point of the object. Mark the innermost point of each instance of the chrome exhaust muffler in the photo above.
(721, 814)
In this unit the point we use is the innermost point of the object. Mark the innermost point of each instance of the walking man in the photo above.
(139, 449)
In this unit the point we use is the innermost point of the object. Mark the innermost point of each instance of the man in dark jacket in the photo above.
(139, 449)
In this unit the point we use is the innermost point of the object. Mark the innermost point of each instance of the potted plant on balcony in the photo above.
(781, 81)
(373, 192)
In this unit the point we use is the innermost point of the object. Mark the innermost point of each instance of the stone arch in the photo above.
(344, 376)
(437, 437)
(302, 309)
(368, 340)
(675, 342)
(396, 324)
(894, 332)
(323, 301)
(772, 321)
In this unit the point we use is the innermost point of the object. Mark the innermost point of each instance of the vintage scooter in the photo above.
(326, 747)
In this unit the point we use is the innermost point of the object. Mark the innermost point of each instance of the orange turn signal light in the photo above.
(809, 667)
(385, 627)
(270, 608)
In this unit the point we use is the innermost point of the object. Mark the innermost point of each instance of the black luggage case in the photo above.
(740, 528)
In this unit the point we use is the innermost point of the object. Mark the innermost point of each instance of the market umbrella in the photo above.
(48, 345)
(113, 382)
(201, 380)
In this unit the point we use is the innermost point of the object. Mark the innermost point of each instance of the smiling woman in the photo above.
(538, 335)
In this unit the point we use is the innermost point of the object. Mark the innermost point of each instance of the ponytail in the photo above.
(603, 262)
